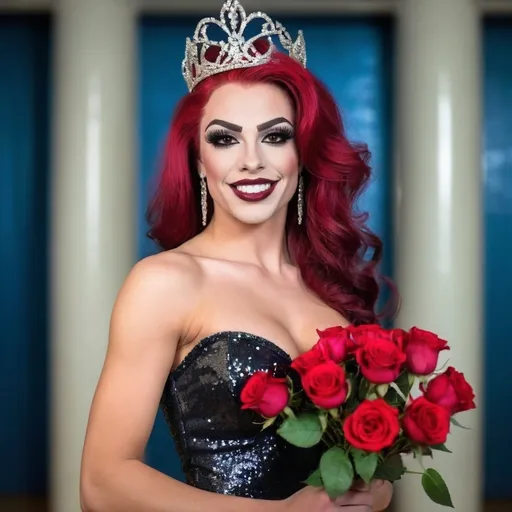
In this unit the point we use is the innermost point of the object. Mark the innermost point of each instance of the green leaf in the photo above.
(405, 383)
(382, 389)
(322, 417)
(350, 387)
(390, 469)
(303, 430)
(418, 454)
(336, 471)
(268, 422)
(436, 489)
(335, 413)
(440, 448)
(288, 411)
(364, 387)
(365, 464)
(427, 451)
(353, 400)
(315, 479)
(399, 390)
(457, 424)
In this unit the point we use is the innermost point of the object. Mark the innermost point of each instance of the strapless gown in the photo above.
(222, 448)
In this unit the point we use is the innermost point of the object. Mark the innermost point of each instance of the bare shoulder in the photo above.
(163, 273)
(158, 285)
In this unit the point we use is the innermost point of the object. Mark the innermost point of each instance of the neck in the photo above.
(263, 244)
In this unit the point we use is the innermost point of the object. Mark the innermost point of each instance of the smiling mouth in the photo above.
(253, 189)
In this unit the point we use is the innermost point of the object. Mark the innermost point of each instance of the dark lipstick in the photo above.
(253, 196)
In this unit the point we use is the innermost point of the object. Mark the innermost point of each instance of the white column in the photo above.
(93, 213)
(439, 215)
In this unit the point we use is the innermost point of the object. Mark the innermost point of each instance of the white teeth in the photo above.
(253, 189)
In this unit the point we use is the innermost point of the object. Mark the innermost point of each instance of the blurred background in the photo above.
(87, 91)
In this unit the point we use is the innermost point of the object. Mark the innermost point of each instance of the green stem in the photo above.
(330, 438)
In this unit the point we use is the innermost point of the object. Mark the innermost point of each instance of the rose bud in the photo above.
(373, 426)
(265, 394)
(326, 385)
(334, 342)
(451, 391)
(313, 357)
(422, 351)
(380, 360)
(363, 333)
(426, 423)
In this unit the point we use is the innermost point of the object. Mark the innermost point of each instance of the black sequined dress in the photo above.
(221, 447)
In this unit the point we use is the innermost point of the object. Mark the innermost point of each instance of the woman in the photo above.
(261, 249)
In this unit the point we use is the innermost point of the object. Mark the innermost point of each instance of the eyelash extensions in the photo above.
(222, 138)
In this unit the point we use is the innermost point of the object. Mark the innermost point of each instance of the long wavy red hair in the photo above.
(338, 256)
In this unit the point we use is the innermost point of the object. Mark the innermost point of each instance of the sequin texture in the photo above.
(221, 447)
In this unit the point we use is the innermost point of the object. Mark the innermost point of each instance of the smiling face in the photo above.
(247, 151)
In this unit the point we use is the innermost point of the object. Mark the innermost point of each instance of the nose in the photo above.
(252, 160)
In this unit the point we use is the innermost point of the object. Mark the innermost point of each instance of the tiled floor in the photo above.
(19, 504)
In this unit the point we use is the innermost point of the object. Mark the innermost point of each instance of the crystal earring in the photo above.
(204, 198)
(300, 200)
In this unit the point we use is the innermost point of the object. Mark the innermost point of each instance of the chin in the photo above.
(253, 219)
(254, 214)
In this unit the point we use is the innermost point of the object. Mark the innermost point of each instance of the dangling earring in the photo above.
(300, 199)
(204, 198)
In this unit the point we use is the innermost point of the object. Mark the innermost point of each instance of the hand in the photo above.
(309, 499)
(313, 499)
(359, 499)
(373, 497)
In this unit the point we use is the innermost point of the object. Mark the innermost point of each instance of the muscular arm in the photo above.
(148, 317)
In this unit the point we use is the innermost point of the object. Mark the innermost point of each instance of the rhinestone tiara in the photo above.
(236, 52)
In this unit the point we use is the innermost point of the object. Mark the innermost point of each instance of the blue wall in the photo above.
(497, 160)
(24, 147)
(351, 55)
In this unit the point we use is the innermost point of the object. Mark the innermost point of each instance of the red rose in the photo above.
(365, 330)
(451, 391)
(310, 359)
(399, 337)
(326, 385)
(265, 394)
(364, 333)
(373, 426)
(422, 351)
(334, 342)
(380, 359)
(426, 423)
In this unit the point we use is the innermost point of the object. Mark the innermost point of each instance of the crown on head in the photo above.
(236, 52)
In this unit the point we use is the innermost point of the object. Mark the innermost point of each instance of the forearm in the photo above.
(132, 486)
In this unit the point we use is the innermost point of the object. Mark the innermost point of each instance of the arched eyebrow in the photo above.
(273, 122)
(237, 128)
(225, 124)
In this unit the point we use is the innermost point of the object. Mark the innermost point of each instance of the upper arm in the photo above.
(147, 319)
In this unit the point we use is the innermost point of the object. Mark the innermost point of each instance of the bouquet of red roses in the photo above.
(352, 392)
